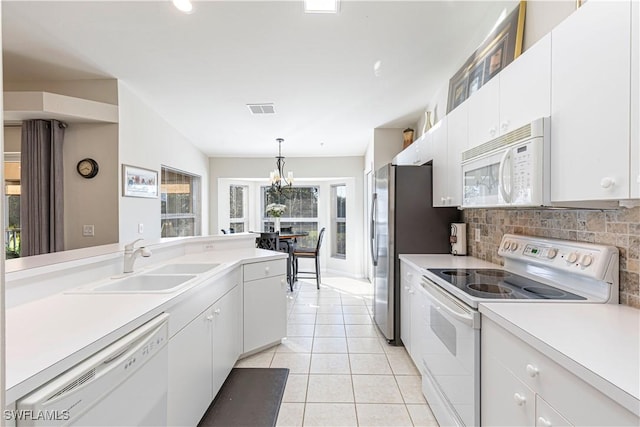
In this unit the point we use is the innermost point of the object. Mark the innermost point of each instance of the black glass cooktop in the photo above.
(500, 284)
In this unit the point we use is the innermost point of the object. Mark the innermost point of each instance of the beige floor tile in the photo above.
(330, 309)
(302, 319)
(329, 300)
(369, 364)
(363, 331)
(364, 345)
(295, 345)
(303, 309)
(392, 349)
(300, 330)
(329, 319)
(411, 388)
(422, 416)
(298, 363)
(307, 300)
(259, 360)
(355, 309)
(290, 415)
(296, 388)
(330, 389)
(329, 331)
(330, 364)
(329, 345)
(357, 319)
(372, 415)
(330, 414)
(401, 364)
(376, 389)
(352, 300)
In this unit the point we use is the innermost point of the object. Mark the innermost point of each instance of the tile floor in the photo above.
(342, 373)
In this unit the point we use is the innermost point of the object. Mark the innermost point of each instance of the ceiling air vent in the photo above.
(262, 108)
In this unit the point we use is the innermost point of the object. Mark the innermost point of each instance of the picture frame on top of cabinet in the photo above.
(139, 182)
(501, 47)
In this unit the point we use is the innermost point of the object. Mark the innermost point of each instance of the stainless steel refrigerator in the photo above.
(403, 221)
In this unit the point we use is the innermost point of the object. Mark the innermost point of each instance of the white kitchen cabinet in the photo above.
(484, 113)
(411, 312)
(521, 386)
(449, 140)
(635, 100)
(265, 304)
(415, 154)
(227, 335)
(518, 95)
(406, 289)
(440, 167)
(190, 372)
(590, 103)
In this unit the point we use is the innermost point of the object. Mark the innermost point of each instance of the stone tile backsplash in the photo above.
(619, 227)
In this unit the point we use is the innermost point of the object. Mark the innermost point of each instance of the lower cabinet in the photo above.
(522, 387)
(265, 304)
(412, 326)
(227, 336)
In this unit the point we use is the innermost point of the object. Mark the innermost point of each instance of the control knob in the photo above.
(572, 257)
(506, 245)
(551, 253)
(586, 260)
(514, 246)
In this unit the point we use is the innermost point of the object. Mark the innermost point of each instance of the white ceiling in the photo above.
(200, 70)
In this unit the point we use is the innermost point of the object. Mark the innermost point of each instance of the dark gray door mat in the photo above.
(250, 397)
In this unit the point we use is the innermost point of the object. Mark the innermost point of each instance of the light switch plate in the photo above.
(88, 230)
(140, 228)
(477, 236)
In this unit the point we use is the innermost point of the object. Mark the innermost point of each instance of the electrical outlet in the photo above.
(88, 230)
(140, 228)
(477, 237)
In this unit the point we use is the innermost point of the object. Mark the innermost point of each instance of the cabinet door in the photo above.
(484, 110)
(408, 156)
(635, 100)
(418, 325)
(405, 305)
(504, 399)
(590, 83)
(546, 416)
(265, 312)
(440, 162)
(226, 336)
(525, 87)
(190, 392)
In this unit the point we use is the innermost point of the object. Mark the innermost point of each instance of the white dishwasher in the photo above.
(125, 384)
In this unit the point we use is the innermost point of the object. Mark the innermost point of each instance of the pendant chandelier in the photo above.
(277, 176)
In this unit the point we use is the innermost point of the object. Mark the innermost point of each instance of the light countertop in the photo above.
(446, 261)
(599, 343)
(48, 336)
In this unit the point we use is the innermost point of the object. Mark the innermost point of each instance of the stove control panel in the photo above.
(586, 259)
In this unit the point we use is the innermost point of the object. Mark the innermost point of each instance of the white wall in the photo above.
(322, 171)
(146, 140)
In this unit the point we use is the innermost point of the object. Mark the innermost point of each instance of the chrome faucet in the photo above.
(130, 255)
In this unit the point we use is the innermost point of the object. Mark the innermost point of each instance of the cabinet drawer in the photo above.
(260, 270)
(546, 416)
(578, 401)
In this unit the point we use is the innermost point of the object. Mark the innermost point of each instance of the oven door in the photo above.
(450, 357)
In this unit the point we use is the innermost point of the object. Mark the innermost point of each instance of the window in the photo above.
(180, 203)
(339, 220)
(238, 208)
(301, 211)
(12, 204)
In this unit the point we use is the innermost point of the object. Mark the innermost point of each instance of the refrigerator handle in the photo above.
(373, 240)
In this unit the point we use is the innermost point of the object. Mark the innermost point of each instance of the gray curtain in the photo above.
(41, 194)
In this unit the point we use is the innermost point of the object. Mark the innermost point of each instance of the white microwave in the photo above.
(512, 170)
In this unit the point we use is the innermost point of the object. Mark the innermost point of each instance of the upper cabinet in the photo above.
(518, 95)
(635, 100)
(590, 103)
(415, 154)
(450, 139)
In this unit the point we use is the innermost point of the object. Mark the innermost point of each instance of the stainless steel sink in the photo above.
(144, 283)
(183, 268)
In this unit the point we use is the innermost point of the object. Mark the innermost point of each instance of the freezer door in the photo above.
(383, 305)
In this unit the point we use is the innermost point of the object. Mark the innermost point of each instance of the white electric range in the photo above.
(535, 270)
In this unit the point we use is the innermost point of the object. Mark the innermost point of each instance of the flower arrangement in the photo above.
(275, 209)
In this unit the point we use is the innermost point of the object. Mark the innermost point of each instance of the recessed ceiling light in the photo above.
(183, 5)
(321, 6)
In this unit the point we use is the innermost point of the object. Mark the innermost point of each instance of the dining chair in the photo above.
(302, 252)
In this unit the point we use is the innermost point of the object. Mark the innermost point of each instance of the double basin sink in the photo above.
(165, 279)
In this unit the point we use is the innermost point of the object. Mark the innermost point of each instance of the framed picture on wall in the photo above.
(139, 182)
(500, 48)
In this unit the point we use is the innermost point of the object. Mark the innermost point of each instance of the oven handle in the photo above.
(444, 302)
(501, 184)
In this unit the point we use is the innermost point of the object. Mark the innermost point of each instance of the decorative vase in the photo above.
(407, 135)
(427, 122)
(276, 224)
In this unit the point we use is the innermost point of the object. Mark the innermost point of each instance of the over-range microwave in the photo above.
(512, 170)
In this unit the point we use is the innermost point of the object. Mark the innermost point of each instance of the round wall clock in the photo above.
(87, 168)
